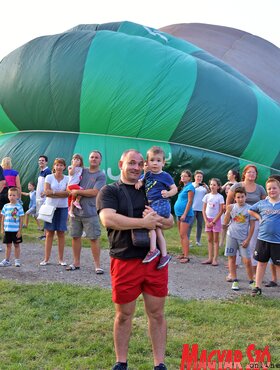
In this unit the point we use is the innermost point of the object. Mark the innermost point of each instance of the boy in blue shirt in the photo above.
(11, 226)
(267, 211)
(239, 233)
(159, 186)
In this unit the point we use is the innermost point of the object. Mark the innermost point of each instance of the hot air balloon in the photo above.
(122, 85)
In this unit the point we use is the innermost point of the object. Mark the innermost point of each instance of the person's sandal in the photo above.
(256, 291)
(271, 284)
(185, 260)
(72, 267)
(99, 271)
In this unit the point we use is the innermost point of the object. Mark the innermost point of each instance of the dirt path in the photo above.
(188, 281)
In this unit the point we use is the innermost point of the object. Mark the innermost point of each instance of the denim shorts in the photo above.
(187, 220)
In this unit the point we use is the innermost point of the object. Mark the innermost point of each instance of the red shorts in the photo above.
(131, 277)
(72, 187)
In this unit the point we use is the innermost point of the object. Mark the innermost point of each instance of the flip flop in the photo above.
(185, 260)
(180, 256)
(99, 271)
(72, 267)
(215, 264)
(207, 262)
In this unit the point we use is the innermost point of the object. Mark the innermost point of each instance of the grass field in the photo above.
(55, 326)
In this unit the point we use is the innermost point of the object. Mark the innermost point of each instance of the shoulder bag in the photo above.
(46, 213)
(139, 237)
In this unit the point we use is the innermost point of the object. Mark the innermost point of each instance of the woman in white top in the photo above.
(55, 190)
(200, 190)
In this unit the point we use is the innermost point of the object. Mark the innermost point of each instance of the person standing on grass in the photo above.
(40, 197)
(255, 192)
(86, 218)
(32, 205)
(55, 190)
(11, 226)
(159, 187)
(3, 193)
(131, 277)
(184, 213)
(239, 233)
(212, 212)
(267, 211)
(201, 189)
(273, 282)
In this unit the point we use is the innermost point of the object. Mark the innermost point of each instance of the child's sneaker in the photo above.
(252, 284)
(151, 256)
(5, 263)
(77, 204)
(71, 214)
(163, 261)
(235, 285)
(17, 262)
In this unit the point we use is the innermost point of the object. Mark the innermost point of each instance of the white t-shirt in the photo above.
(213, 202)
(200, 191)
(76, 178)
(57, 186)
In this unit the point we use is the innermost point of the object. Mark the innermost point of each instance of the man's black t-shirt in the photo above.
(112, 196)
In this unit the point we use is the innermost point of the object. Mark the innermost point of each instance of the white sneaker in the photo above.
(235, 285)
(17, 262)
(252, 285)
(1, 249)
(198, 244)
(5, 263)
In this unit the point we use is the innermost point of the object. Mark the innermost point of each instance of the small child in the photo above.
(224, 226)
(75, 175)
(11, 226)
(212, 212)
(159, 186)
(32, 205)
(240, 230)
(267, 211)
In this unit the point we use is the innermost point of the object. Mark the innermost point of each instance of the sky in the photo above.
(24, 20)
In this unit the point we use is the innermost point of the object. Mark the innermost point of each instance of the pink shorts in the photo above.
(217, 228)
(131, 277)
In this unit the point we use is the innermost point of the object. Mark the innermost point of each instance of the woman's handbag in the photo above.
(46, 213)
(139, 237)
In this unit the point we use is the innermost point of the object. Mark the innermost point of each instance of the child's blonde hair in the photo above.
(156, 150)
(13, 189)
(6, 162)
(271, 179)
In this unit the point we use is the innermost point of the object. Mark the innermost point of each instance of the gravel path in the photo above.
(188, 281)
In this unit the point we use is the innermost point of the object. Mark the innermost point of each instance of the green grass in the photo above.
(55, 326)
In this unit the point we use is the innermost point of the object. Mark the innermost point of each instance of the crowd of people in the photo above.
(240, 215)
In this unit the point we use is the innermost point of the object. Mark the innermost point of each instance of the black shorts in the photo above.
(11, 237)
(265, 250)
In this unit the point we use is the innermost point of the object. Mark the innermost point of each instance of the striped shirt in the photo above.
(12, 214)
